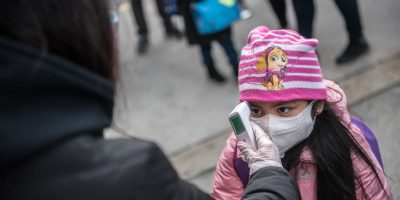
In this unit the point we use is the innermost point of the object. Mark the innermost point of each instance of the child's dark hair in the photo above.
(331, 145)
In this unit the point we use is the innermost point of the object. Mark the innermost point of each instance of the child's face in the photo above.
(281, 109)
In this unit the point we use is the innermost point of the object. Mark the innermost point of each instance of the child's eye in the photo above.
(256, 112)
(283, 59)
(283, 110)
(273, 58)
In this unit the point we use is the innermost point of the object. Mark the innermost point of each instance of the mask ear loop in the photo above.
(317, 112)
(312, 103)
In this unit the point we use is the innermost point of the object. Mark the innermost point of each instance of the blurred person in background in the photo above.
(356, 46)
(245, 12)
(142, 28)
(58, 71)
(305, 11)
(223, 37)
(279, 8)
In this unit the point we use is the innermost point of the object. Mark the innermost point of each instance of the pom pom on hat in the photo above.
(279, 65)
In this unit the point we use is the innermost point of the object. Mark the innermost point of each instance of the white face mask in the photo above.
(286, 132)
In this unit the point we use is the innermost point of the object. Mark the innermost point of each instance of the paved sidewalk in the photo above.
(165, 95)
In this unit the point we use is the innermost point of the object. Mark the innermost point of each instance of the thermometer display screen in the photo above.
(237, 124)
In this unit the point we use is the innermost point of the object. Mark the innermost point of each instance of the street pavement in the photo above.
(165, 96)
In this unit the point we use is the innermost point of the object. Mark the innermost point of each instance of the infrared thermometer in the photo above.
(239, 119)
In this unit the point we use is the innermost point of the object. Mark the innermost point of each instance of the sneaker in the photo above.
(218, 78)
(353, 51)
(143, 44)
(214, 75)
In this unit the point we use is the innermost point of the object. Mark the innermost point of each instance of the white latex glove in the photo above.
(266, 155)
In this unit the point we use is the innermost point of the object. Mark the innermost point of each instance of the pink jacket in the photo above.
(227, 184)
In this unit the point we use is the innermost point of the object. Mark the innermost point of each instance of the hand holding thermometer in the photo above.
(239, 119)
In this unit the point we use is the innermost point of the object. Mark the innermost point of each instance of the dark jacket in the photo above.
(271, 183)
(52, 117)
(51, 145)
(190, 27)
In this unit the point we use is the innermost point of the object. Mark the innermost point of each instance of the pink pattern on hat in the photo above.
(279, 65)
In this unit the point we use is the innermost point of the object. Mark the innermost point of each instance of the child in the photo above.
(306, 117)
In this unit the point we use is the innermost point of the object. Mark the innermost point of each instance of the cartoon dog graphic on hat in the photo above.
(274, 61)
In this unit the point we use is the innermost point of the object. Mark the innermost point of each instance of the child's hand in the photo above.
(266, 155)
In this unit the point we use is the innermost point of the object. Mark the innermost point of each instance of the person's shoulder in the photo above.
(94, 152)
(88, 161)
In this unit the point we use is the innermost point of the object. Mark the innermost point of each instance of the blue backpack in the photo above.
(242, 168)
(211, 16)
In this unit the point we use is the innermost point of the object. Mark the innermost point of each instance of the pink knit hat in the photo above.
(279, 65)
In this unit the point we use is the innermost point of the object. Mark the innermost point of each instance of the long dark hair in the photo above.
(77, 30)
(331, 145)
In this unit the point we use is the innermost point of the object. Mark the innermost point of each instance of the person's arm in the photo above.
(271, 183)
(268, 179)
(163, 181)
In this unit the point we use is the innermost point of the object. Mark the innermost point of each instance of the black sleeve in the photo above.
(271, 183)
(164, 182)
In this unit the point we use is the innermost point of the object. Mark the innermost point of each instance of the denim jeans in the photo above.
(227, 44)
